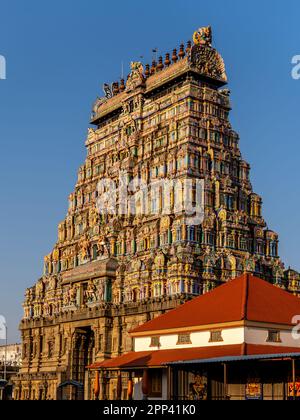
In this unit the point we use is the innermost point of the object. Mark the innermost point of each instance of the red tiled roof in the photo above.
(162, 357)
(245, 298)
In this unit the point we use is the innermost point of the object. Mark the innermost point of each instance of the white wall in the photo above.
(231, 336)
(260, 336)
(199, 339)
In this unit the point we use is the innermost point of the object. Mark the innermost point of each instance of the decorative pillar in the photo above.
(102, 385)
(217, 194)
(183, 232)
(119, 386)
(113, 247)
(123, 244)
(97, 385)
(130, 388)
(145, 384)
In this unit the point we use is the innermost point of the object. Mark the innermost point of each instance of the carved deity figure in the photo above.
(48, 264)
(46, 309)
(103, 247)
(101, 292)
(136, 76)
(39, 289)
(70, 296)
(90, 293)
(55, 255)
(84, 248)
(203, 36)
(93, 217)
(73, 295)
(250, 265)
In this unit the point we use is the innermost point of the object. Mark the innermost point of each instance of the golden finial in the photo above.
(160, 65)
(115, 88)
(167, 60)
(181, 54)
(122, 85)
(153, 68)
(147, 70)
(188, 47)
(174, 56)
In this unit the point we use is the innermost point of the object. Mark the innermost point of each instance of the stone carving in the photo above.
(208, 62)
(250, 264)
(93, 217)
(136, 76)
(103, 247)
(84, 248)
(70, 296)
(91, 292)
(95, 292)
(98, 103)
(52, 283)
(203, 36)
(50, 349)
(101, 292)
(39, 289)
(205, 58)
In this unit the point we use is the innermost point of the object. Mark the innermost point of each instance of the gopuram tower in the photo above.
(109, 272)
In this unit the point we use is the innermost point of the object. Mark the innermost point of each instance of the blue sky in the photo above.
(58, 55)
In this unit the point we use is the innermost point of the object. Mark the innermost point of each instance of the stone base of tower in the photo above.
(90, 336)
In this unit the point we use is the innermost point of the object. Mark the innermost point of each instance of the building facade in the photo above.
(10, 364)
(11, 355)
(239, 341)
(111, 271)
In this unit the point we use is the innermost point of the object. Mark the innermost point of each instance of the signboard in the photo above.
(254, 390)
(198, 388)
(291, 390)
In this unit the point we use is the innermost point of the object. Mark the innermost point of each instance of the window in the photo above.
(274, 337)
(178, 234)
(273, 249)
(184, 339)
(191, 234)
(155, 342)
(259, 247)
(231, 241)
(244, 246)
(216, 337)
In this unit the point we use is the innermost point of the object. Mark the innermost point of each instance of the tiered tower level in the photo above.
(107, 274)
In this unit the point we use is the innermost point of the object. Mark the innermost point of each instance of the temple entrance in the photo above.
(82, 356)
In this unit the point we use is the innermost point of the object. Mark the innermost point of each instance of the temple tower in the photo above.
(110, 272)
